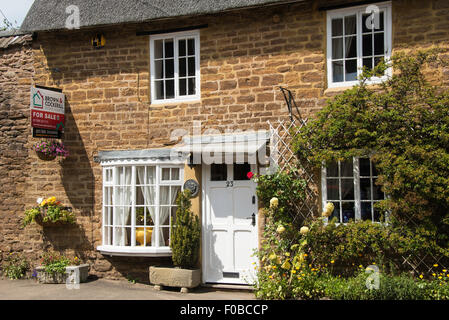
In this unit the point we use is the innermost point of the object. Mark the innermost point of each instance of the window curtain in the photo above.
(121, 199)
(164, 212)
(149, 196)
(349, 24)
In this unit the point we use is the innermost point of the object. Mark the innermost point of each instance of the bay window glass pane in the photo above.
(164, 196)
(351, 47)
(164, 216)
(165, 237)
(348, 211)
(150, 175)
(367, 45)
(337, 27)
(175, 173)
(170, 87)
(365, 189)
(337, 48)
(165, 173)
(192, 86)
(375, 173)
(140, 216)
(350, 25)
(150, 215)
(351, 70)
(337, 71)
(366, 213)
(191, 47)
(158, 49)
(168, 48)
(175, 190)
(182, 47)
(347, 189)
(332, 189)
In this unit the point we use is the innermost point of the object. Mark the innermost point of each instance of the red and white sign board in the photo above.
(47, 109)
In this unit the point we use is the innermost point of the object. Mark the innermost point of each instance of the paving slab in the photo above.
(102, 289)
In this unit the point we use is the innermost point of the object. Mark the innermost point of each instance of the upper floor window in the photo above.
(352, 187)
(175, 67)
(357, 37)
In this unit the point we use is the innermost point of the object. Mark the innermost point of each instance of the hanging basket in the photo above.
(45, 157)
(39, 220)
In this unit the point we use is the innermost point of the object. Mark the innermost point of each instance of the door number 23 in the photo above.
(229, 184)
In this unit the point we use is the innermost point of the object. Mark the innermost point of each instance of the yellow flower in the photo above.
(271, 277)
(274, 202)
(440, 277)
(280, 229)
(433, 274)
(328, 209)
(360, 266)
(274, 267)
(293, 271)
(444, 270)
(305, 254)
(435, 265)
(287, 254)
(421, 276)
(332, 261)
(286, 265)
(304, 230)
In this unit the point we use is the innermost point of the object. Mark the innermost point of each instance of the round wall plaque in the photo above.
(193, 186)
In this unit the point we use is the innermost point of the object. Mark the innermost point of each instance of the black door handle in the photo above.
(253, 219)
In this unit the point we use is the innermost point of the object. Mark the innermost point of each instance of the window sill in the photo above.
(135, 251)
(195, 99)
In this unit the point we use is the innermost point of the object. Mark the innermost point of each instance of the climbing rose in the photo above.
(304, 230)
(250, 175)
(280, 229)
(274, 202)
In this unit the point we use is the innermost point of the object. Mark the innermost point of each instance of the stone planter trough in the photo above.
(79, 274)
(174, 277)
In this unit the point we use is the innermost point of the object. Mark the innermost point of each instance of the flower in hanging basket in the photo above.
(50, 149)
(49, 212)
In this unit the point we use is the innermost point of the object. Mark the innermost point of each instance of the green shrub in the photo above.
(286, 186)
(404, 126)
(15, 266)
(186, 234)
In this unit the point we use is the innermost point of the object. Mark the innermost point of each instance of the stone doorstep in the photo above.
(233, 287)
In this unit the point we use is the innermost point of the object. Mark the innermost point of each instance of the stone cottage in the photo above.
(160, 93)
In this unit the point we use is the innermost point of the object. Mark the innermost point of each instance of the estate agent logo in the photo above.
(38, 100)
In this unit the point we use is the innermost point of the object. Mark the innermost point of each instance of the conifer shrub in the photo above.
(185, 235)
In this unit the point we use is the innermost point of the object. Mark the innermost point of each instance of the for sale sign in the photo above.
(47, 109)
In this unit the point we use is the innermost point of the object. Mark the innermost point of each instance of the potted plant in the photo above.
(143, 234)
(185, 244)
(55, 268)
(49, 212)
(48, 150)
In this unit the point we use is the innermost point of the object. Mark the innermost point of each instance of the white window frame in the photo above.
(133, 249)
(359, 11)
(357, 198)
(176, 36)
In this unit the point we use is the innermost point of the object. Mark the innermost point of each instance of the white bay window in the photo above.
(139, 207)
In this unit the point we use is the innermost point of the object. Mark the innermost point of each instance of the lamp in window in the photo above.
(98, 41)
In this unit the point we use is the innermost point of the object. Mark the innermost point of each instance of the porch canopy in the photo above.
(225, 148)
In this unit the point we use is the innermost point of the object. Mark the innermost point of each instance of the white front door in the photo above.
(229, 224)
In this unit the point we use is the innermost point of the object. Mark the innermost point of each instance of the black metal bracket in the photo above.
(288, 96)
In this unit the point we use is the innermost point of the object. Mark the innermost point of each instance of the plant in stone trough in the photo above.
(54, 262)
(185, 235)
